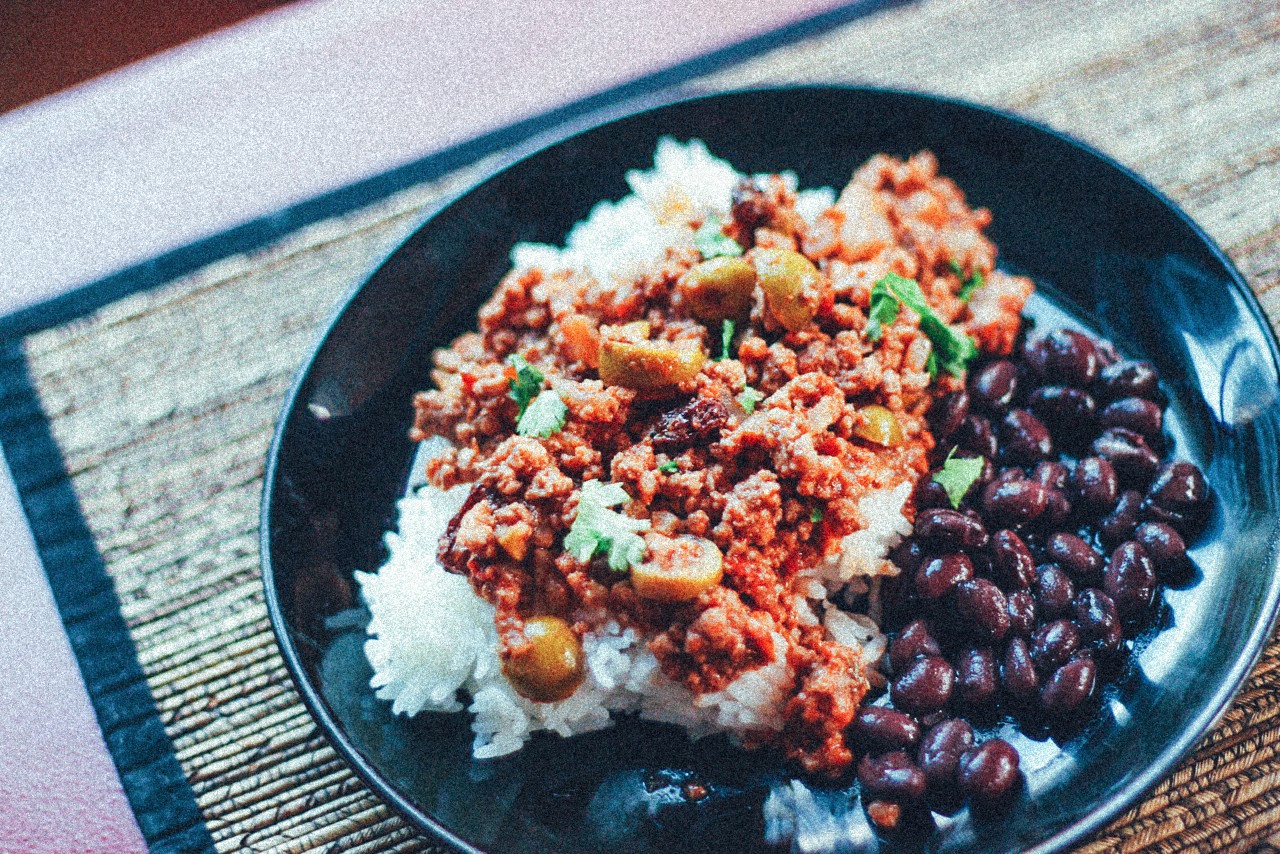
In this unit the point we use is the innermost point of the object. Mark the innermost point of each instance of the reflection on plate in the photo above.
(1108, 254)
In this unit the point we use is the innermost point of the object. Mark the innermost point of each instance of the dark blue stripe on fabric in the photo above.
(261, 232)
(153, 781)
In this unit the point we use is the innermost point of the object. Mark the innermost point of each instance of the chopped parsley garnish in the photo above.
(544, 416)
(748, 398)
(669, 467)
(526, 385)
(967, 284)
(726, 337)
(712, 242)
(952, 350)
(958, 475)
(598, 530)
(815, 515)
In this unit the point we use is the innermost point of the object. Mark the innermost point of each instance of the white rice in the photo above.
(686, 185)
(431, 637)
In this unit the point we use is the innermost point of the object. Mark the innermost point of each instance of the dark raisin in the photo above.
(695, 423)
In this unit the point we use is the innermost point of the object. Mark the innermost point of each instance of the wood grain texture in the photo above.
(163, 403)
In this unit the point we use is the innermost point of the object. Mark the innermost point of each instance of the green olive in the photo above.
(792, 286)
(719, 289)
(879, 425)
(649, 365)
(677, 569)
(551, 667)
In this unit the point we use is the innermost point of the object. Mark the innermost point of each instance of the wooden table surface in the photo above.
(162, 403)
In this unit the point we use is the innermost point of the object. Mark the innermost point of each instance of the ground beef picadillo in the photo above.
(775, 486)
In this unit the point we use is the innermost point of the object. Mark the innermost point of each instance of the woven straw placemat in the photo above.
(162, 404)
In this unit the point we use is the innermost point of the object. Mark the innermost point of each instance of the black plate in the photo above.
(1108, 251)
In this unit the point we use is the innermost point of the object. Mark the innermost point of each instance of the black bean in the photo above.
(994, 386)
(914, 640)
(989, 772)
(1098, 619)
(1179, 486)
(1135, 413)
(940, 575)
(1065, 356)
(976, 677)
(1070, 685)
(1051, 474)
(908, 556)
(1130, 580)
(879, 728)
(1107, 354)
(1053, 643)
(1165, 547)
(940, 751)
(1094, 482)
(930, 493)
(1014, 502)
(1057, 509)
(976, 437)
(1018, 672)
(985, 608)
(1008, 474)
(1053, 590)
(1076, 556)
(944, 530)
(1024, 440)
(924, 685)
(1068, 411)
(1134, 461)
(932, 719)
(1022, 613)
(1129, 379)
(1011, 562)
(947, 414)
(892, 775)
(1186, 521)
(1119, 525)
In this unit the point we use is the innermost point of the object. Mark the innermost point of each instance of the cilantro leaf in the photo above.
(952, 350)
(669, 467)
(748, 398)
(726, 338)
(906, 290)
(816, 514)
(884, 309)
(970, 285)
(544, 416)
(958, 475)
(712, 242)
(597, 529)
(526, 385)
(967, 284)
